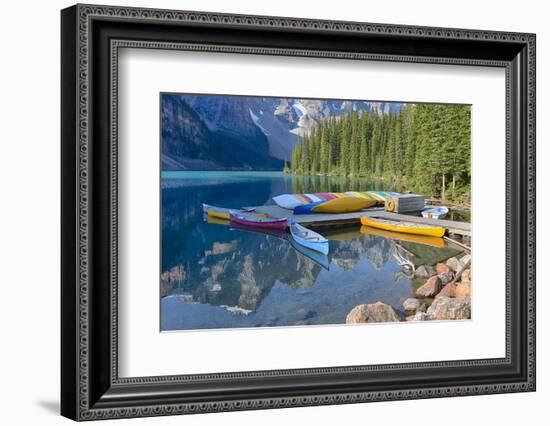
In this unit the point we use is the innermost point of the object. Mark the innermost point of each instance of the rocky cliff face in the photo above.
(185, 138)
(210, 138)
(218, 131)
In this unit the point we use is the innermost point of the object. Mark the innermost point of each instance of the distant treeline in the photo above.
(426, 146)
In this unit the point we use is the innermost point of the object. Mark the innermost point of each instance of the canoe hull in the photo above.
(320, 247)
(266, 224)
(307, 208)
(405, 229)
(343, 205)
(291, 201)
(435, 213)
(314, 241)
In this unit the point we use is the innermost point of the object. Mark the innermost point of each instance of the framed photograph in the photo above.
(263, 212)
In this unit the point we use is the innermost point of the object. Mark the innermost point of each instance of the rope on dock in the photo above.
(464, 246)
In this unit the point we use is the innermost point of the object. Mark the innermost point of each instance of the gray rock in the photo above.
(421, 316)
(454, 264)
(373, 312)
(465, 259)
(431, 288)
(358, 315)
(411, 304)
(425, 271)
(447, 308)
(446, 277)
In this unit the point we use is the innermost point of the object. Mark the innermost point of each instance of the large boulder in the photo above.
(411, 304)
(466, 275)
(463, 289)
(425, 271)
(430, 288)
(442, 268)
(358, 315)
(373, 312)
(447, 308)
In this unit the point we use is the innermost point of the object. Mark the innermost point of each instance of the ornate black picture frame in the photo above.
(90, 38)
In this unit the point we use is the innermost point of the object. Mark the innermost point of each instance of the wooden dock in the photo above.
(321, 220)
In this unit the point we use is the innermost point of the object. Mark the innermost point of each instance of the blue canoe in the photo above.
(307, 208)
(308, 238)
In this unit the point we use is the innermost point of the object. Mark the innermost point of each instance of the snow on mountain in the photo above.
(268, 126)
(256, 120)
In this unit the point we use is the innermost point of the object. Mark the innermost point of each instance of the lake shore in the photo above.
(394, 183)
(443, 293)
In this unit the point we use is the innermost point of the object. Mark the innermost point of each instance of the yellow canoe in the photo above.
(218, 214)
(343, 205)
(403, 227)
(399, 236)
(221, 212)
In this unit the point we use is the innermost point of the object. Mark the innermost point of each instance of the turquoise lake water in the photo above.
(216, 276)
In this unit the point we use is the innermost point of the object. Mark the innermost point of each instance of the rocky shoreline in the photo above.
(444, 295)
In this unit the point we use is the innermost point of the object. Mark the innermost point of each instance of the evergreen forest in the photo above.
(425, 147)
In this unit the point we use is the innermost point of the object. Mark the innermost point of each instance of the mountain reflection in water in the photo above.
(216, 276)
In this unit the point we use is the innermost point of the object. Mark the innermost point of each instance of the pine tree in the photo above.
(363, 148)
(305, 155)
(354, 144)
(345, 127)
(427, 145)
(324, 150)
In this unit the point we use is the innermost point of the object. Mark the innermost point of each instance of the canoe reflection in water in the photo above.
(255, 277)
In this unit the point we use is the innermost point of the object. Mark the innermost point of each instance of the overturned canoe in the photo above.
(291, 201)
(403, 227)
(343, 205)
(336, 205)
(307, 208)
(308, 238)
(257, 220)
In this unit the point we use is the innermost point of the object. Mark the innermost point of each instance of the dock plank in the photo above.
(335, 219)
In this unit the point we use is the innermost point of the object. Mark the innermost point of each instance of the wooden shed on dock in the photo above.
(405, 203)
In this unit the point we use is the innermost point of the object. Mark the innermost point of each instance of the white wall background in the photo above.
(29, 209)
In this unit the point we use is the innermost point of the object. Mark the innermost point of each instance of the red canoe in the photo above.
(257, 221)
